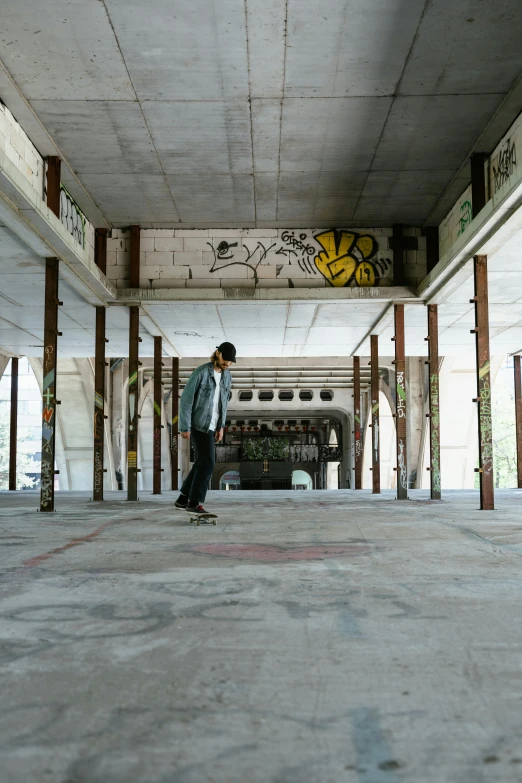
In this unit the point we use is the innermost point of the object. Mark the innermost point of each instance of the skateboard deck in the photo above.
(203, 519)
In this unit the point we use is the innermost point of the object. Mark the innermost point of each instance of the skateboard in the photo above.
(203, 519)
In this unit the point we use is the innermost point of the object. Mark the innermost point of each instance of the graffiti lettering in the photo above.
(466, 217)
(401, 396)
(402, 465)
(485, 424)
(348, 258)
(298, 243)
(504, 163)
(216, 266)
(71, 216)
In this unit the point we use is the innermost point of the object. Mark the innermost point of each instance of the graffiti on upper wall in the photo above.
(71, 216)
(348, 258)
(466, 216)
(342, 257)
(503, 164)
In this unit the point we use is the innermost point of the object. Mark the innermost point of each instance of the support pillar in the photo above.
(174, 429)
(376, 466)
(434, 413)
(134, 266)
(54, 167)
(518, 418)
(100, 249)
(132, 411)
(157, 425)
(49, 385)
(400, 405)
(14, 424)
(357, 421)
(483, 399)
(99, 405)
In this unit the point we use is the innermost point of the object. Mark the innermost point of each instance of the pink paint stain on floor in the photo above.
(274, 554)
(34, 561)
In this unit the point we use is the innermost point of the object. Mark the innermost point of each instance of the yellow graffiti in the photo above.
(345, 257)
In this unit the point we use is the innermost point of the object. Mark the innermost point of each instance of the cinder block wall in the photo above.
(21, 151)
(263, 258)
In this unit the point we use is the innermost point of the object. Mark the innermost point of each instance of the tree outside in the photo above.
(29, 427)
(25, 464)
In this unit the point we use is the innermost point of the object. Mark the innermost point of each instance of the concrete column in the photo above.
(401, 407)
(132, 409)
(518, 418)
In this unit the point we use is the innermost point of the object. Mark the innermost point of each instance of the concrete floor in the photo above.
(311, 637)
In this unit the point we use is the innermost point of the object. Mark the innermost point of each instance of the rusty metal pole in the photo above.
(174, 422)
(483, 399)
(357, 421)
(401, 404)
(49, 384)
(54, 166)
(434, 414)
(376, 466)
(13, 423)
(518, 418)
(157, 426)
(134, 267)
(99, 404)
(133, 398)
(100, 249)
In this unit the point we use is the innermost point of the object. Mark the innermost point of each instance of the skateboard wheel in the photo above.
(197, 522)
(213, 521)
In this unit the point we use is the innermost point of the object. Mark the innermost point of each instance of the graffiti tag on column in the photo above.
(504, 163)
(485, 419)
(348, 258)
(402, 465)
(358, 444)
(401, 396)
(435, 438)
(375, 429)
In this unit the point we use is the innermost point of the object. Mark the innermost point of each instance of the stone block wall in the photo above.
(20, 150)
(263, 258)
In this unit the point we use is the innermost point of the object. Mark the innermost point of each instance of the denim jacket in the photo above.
(195, 404)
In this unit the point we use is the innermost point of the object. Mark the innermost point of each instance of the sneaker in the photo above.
(196, 509)
(181, 502)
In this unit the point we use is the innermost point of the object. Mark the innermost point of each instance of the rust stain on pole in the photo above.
(174, 424)
(487, 500)
(134, 269)
(49, 385)
(156, 467)
(357, 421)
(133, 398)
(54, 167)
(14, 424)
(401, 404)
(376, 466)
(100, 249)
(518, 418)
(434, 414)
(99, 404)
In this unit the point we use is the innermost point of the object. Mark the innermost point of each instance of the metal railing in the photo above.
(258, 451)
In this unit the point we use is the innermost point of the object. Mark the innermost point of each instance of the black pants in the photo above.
(196, 484)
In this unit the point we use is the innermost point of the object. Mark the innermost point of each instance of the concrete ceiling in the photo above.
(272, 113)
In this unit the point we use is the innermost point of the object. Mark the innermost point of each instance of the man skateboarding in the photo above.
(202, 413)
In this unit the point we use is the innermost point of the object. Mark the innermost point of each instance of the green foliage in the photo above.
(24, 463)
(258, 449)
